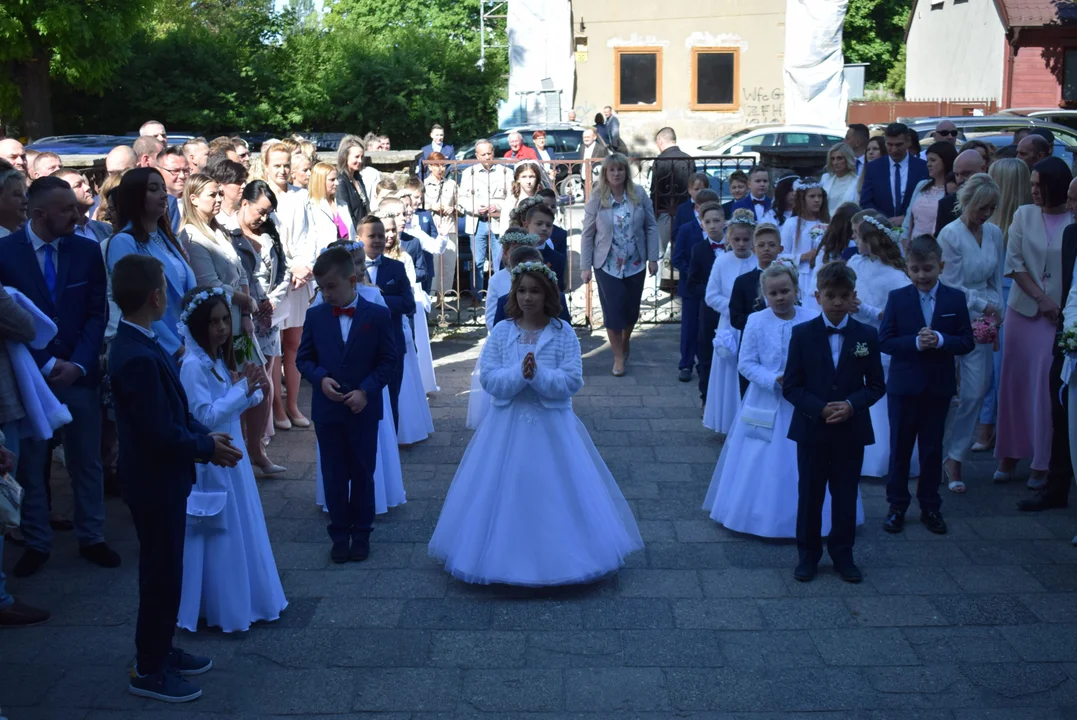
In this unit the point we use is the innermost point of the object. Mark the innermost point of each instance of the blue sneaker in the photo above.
(186, 664)
(165, 686)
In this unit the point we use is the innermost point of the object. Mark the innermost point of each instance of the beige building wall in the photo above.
(955, 51)
(756, 27)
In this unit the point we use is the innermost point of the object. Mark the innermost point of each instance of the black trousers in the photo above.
(708, 324)
(348, 453)
(160, 531)
(394, 393)
(916, 419)
(823, 464)
(1060, 470)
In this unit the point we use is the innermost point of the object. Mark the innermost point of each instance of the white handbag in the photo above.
(10, 503)
(758, 422)
(205, 510)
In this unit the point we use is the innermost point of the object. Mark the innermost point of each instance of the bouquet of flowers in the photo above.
(816, 233)
(984, 331)
(245, 350)
(1067, 340)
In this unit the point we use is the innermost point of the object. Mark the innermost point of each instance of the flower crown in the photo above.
(743, 217)
(786, 261)
(351, 247)
(201, 298)
(534, 266)
(526, 204)
(809, 184)
(520, 238)
(894, 234)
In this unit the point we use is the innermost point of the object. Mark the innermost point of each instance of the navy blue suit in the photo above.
(427, 150)
(174, 214)
(556, 261)
(159, 445)
(699, 272)
(80, 310)
(687, 237)
(920, 386)
(348, 442)
(559, 238)
(686, 213)
(502, 301)
(424, 276)
(830, 455)
(746, 203)
(395, 288)
(876, 194)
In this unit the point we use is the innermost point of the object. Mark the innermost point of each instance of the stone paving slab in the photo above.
(704, 624)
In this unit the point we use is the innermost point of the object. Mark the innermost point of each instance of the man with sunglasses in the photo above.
(175, 170)
(945, 131)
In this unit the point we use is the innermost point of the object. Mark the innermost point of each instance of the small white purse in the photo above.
(758, 422)
(205, 510)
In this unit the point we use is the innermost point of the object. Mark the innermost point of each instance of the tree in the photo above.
(874, 33)
(81, 42)
(450, 19)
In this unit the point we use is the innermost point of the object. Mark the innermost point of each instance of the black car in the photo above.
(563, 142)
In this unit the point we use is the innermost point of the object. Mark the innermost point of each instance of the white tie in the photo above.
(927, 304)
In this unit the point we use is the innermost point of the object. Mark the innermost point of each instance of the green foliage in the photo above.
(450, 19)
(875, 33)
(235, 65)
(895, 79)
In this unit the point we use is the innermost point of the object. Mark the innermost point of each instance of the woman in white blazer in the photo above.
(329, 223)
(840, 179)
(1034, 261)
(619, 235)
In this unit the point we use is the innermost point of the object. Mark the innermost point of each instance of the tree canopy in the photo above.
(874, 33)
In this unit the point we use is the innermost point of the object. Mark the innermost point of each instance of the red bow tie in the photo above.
(715, 246)
(349, 311)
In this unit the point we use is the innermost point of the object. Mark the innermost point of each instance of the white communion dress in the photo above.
(723, 387)
(229, 575)
(754, 486)
(416, 423)
(532, 502)
(478, 400)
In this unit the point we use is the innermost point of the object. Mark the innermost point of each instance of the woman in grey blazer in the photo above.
(619, 235)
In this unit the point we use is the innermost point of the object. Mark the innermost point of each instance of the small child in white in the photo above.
(723, 387)
(532, 503)
(754, 486)
(229, 575)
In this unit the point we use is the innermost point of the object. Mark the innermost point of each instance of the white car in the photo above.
(743, 141)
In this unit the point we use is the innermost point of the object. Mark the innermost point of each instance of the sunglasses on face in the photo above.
(946, 133)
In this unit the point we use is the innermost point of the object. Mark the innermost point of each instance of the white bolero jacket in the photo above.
(558, 365)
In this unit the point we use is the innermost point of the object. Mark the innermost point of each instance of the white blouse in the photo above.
(725, 271)
(840, 190)
(765, 346)
(974, 268)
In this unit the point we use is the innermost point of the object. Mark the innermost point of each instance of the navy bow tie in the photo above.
(835, 331)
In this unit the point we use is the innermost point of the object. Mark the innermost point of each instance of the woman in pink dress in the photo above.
(1034, 261)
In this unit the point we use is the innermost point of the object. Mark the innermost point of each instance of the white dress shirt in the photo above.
(904, 165)
(589, 150)
(757, 208)
(345, 321)
(372, 270)
(927, 306)
(834, 338)
(148, 333)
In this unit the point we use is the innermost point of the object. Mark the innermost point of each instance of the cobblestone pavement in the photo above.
(978, 625)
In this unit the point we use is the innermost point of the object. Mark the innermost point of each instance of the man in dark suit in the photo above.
(757, 199)
(437, 144)
(64, 276)
(924, 327)
(159, 445)
(966, 164)
(833, 375)
(1055, 494)
(592, 147)
(389, 275)
(669, 178)
(348, 355)
(889, 181)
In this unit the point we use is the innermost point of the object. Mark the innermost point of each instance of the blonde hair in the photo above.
(604, 194)
(764, 229)
(776, 269)
(979, 191)
(1014, 181)
(212, 229)
(847, 153)
(260, 173)
(103, 213)
(391, 208)
(318, 175)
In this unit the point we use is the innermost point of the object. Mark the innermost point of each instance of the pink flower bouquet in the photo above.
(984, 331)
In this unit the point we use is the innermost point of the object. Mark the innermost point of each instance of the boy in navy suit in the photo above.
(687, 210)
(746, 297)
(538, 220)
(348, 355)
(688, 236)
(558, 236)
(924, 327)
(391, 278)
(699, 273)
(834, 373)
(159, 445)
(757, 200)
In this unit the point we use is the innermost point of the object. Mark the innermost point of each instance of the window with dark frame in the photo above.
(1069, 76)
(637, 78)
(715, 79)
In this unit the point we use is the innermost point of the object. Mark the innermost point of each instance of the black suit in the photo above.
(1060, 470)
(669, 179)
(830, 455)
(947, 212)
(600, 150)
(556, 262)
(745, 299)
(159, 445)
(699, 272)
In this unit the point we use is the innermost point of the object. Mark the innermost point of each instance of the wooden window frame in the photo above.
(632, 50)
(695, 104)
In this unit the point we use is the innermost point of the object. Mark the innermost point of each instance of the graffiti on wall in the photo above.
(760, 105)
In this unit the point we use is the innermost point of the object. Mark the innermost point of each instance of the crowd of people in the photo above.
(886, 319)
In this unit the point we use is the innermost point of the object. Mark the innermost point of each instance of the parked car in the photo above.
(1053, 115)
(970, 125)
(563, 140)
(79, 144)
(1060, 149)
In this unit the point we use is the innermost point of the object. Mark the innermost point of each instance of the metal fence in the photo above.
(457, 303)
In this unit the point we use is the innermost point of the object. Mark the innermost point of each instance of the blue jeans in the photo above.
(989, 410)
(11, 442)
(484, 245)
(82, 453)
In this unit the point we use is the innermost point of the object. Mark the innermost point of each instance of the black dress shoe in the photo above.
(1042, 501)
(932, 519)
(895, 521)
(339, 553)
(100, 554)
(360, 550)
(30, 562)
(685, 375)
(850, 573)
(805, 571)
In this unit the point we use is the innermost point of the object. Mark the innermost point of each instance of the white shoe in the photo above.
(58, 455)
(1037, 483)
(1003, 477)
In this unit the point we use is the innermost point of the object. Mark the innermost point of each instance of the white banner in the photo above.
(540, 47)
(815, 90)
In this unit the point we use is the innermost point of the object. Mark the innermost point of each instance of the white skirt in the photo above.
(292, 310)
(388, 476)
(416, 423)
(422, 349)
(754, 488)
(723, 391)
(532, 503)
